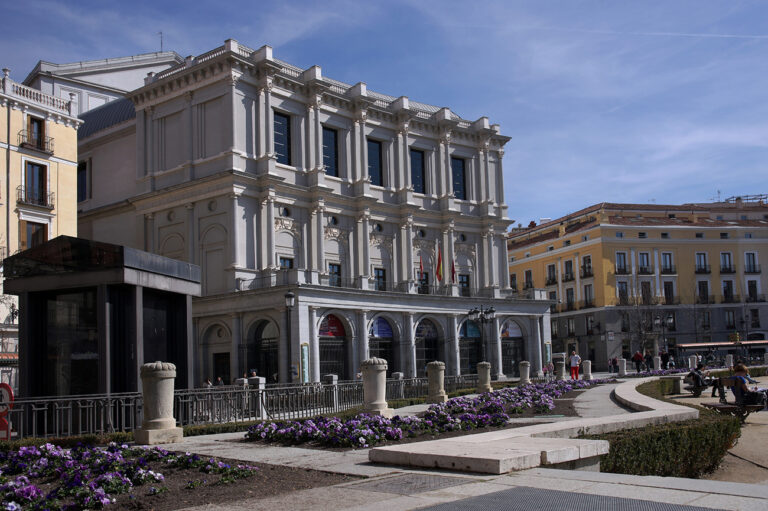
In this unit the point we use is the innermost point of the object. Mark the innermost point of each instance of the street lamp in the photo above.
(482, 316)
(667, 322)
(290, 300)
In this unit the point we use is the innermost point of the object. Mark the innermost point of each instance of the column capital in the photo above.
(445, 137)
(501, 152)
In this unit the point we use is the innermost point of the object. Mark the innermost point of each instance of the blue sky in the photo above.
(652, 101)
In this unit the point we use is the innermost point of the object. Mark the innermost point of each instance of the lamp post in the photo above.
(745, 329)
(667, 322)
(482, 315)
(290, 300)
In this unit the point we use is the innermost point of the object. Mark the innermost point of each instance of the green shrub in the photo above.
(70, 441)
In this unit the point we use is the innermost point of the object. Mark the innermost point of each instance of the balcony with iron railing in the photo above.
(35, 197)
(568, 277)
(703, 269)
(622, 270)
(527, 285)
(728, 268)
(570, 306)
(669, 270)
(705, 299)
(586, 272)
(752, 268)
(671, 300)
(39, 143)
(755, 298)
(588, 303)
(730, 298)
(645, 270)
(623, 299)
(551, 280)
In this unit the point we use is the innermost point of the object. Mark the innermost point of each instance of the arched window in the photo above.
(262, 351)
(381, 342)
(333, 347)
(426, 346)
(470, 347)
(512, 348)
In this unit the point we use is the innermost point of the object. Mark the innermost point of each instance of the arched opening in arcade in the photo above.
(470, 347)
(334, 355)
(381, 342)
(262, 352)
(426, 340)
(512, 348)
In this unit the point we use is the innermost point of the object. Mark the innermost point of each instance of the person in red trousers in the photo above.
(575, 361)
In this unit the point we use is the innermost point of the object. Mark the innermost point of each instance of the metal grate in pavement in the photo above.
(526, 499)
(409, 484)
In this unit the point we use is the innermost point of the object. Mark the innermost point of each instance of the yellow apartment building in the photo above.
(646, 276)
(38, 191)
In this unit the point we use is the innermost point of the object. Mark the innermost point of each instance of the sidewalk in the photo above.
(395, 488)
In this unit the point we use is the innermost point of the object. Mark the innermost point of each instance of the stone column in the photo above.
(375, 387)
(656, 363)
(560, 370)
(410, 345)
(314, 345)
(436, 375)
(270, 231)
(362, 325)
(729, 361)
(257, 385)
(586, 366)
(452, 346)
(484, 377)
(496, 361)
(158, 425)
(622, 367)
(525, 372)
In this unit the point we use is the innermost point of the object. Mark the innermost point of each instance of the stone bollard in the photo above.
(692, 361)
(436, 375)
(399, 386)
(241, 382)
(257, 385)
(586, 367)
(375, 387)
(729, 361)
(656, 363)
(622, 367)
(525, 372)
(484, 377)
(332, 380)
(158, 425)
(560, 370)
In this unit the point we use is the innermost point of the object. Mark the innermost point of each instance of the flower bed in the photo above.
(491, 409)
(50, 477)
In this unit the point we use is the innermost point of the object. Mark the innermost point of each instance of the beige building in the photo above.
(38, 193)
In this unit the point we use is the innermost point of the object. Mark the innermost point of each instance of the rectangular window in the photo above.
(37, 133)
(551, 275)
(669, 293)
(32, 234)
(82, 181)
(554, 328)
(567, 243)
(622, 290)
(729, 322)
(513, 281)
(664, 235)
(459, 183)
(619, 234)
(723, 235)
(666, 262)
(701, 262)
(568, 271)
(589, 296)
(624, 322)
(35, 184)
(728, 291)
(646, 293)
(642, 235)
(464, 285)
(334, 274)
(374, 163)
(644, 261)
(621, 262)
(380, 279)
(705, 319)
(750, 262)
(754, 321)
(726, 264)
(417, 171)
(748, 235)
(286, 263)
(569, 301)
(282, 149)
(703, 288)
(699, 234)
(424, 283)
(528, 279)
(752, 290)
(331, 151)
(553, 295)
(571, 326)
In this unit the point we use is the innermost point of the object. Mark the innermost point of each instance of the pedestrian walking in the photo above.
(575, 361)
(637, 358)
(648, 361)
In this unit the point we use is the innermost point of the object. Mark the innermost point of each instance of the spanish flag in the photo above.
(439, 271)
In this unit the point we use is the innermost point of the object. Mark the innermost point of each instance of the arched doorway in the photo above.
(262, 350)
(512, 348)
(426, 341)
(470, 347)
(333, 347)
(381, 342)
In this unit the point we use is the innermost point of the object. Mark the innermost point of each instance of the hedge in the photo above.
(678, 449)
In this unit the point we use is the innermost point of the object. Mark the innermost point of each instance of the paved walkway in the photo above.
(395, 488)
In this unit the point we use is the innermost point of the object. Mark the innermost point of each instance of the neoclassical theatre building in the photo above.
(332, 223)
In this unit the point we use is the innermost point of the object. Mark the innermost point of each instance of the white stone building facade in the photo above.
(278, 180)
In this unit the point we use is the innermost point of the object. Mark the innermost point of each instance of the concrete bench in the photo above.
(677, 382)
(740, 411)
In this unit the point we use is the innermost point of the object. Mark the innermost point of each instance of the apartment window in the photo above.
(551, 275)
(728, 291)
(550, 248)
(669, 293)
(729, 321)
(36, 133)
(375, 163)
(619, 234)
(723, 235)
(664, 235)
(459, 183)
(726, 263)
(705, 319)
(754, 318)
(554, 328)
(32, 234)
(646, 293)
(586, 266)
(463, 285)
(569, 297)
(286, 263)
(624, 322)
(282, 138)
(35, 180)
(623, 291)
(589, 323)
(585, 237)
(334, 274)
(567, 243)
(750, 262)
(699, 234)
(528, 279)
(701, 262)
(417, 171)
(513, 281)
(621, 262)
(666, 262)
(424, 283)
(568, 271)
(553, 295)
(642, 235)
(748, 235)
(589, 295)
(671, 215)
(83, 181)
(331, 151)
(752, 290)
(644, 260)
(571, 326)
(703, 288)
(380, 279)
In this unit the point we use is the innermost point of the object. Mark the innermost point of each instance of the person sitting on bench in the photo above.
(742, 393)
(698, 380)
